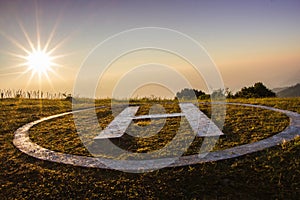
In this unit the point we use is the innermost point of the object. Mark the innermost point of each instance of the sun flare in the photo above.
(36, 56)
(39, 62)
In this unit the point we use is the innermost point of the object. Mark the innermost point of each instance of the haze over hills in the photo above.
(292, 91)
(276, 90)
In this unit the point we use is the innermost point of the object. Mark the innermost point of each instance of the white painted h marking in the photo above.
(198, 121)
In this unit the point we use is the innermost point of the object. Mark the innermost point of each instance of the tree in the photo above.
(188, 93)
(218, 94)
(259, 90)
(228, 93)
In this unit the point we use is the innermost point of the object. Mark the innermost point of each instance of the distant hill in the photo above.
(276, 90)
(293, 91)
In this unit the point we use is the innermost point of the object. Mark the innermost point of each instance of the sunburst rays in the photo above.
(36, 54)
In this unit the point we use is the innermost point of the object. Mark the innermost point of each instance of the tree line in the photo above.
(33, 94)
(258, 90)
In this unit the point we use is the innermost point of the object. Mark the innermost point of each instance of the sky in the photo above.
(248, 41)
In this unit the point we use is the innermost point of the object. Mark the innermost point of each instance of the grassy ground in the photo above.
(273, 172)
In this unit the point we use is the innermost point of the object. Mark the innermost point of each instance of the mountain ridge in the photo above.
(291, 91)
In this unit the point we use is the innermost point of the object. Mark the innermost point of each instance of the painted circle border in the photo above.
(23, 143)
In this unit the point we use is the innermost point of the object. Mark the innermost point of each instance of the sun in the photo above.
(35, 54)
(39, 62)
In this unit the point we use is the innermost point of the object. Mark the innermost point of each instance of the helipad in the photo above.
(23, 142)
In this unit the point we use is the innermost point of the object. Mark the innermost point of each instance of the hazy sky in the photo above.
(249, 41)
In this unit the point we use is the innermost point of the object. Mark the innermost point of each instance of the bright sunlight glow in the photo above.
(39, 62)
(37, 56)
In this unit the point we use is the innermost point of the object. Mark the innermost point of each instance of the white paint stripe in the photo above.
(158, 116)
(198, 121)
(119, 125)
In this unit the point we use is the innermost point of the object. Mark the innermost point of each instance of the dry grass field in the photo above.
(273, 172)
